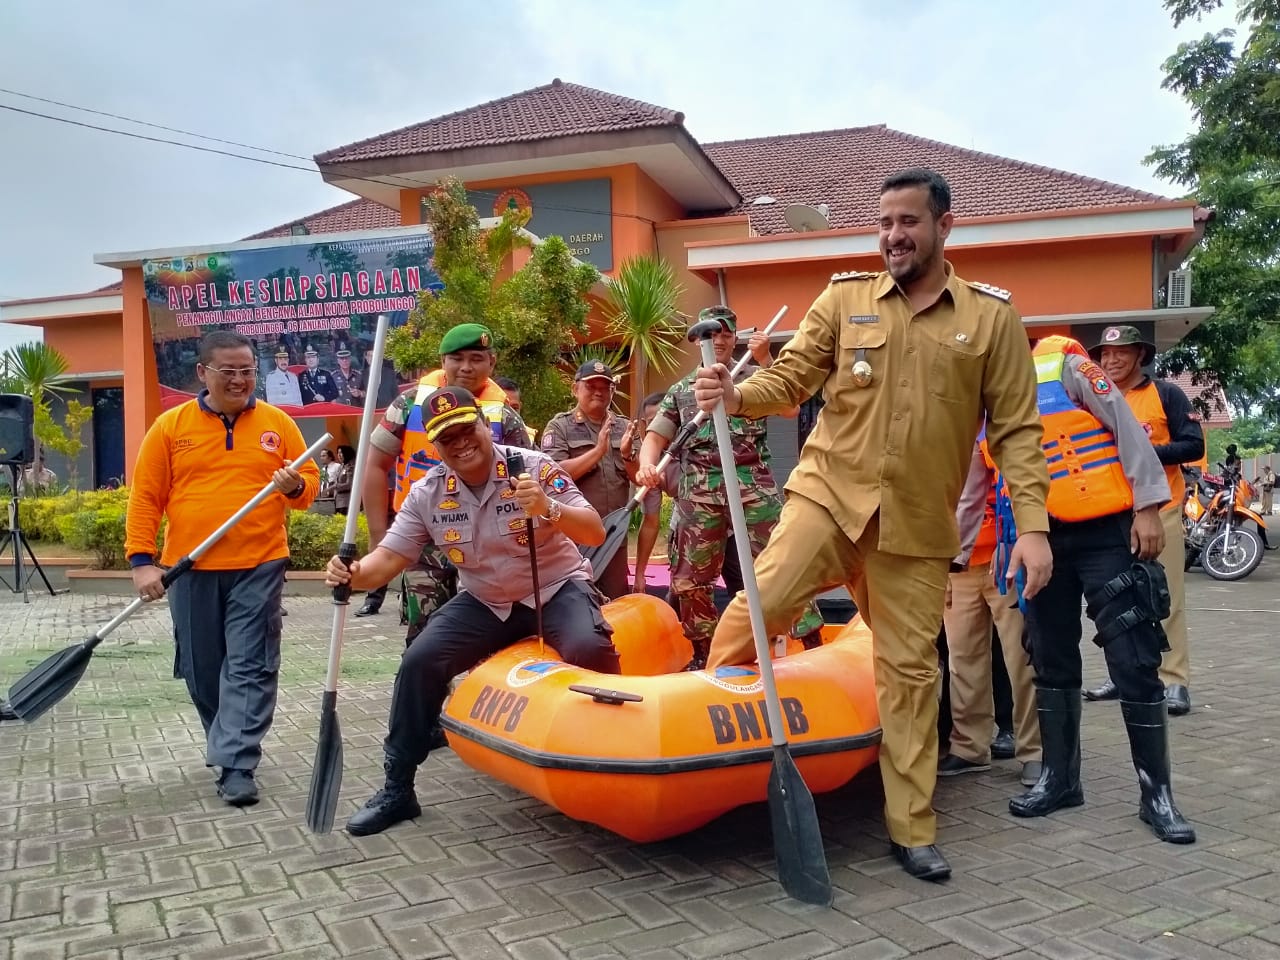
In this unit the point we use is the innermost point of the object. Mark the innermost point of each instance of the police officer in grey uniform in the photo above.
(594, 448)
(281, 384)
(317, 385)
(475, 512)
(1110, 559)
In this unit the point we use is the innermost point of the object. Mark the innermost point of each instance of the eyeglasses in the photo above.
(232, 373)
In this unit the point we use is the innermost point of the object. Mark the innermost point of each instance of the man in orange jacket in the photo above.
(197, 459)
(1165, 414)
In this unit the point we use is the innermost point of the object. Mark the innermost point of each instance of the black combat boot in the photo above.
(1059, 783)
(1147, 724)
(396, 801)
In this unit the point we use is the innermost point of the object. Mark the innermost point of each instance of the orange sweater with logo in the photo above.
(199, 469)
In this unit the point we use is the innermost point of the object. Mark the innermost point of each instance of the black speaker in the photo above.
(17, 429)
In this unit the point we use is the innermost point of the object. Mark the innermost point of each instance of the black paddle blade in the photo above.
(326, 772)
(797, 838)
(49, 682)
(616, 526)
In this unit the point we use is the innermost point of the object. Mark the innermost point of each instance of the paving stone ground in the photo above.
(114, 847)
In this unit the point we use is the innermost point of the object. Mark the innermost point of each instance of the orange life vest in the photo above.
(1145, 403)
(417, 453)
(1086, 478)
(984, 548)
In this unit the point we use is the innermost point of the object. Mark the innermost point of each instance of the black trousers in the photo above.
(463, 632)
(1086, 556)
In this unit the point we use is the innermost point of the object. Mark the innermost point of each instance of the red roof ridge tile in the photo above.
(773, 137)
(1027, 165)
(272, 232)
(669, 116)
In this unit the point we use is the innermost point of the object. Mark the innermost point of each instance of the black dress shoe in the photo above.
(1003, 746)
(923, 863)
(1105, 691)
(1178, 699)
(6, 711)
(369, 609)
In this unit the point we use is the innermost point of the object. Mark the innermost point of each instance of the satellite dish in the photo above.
(803, 218)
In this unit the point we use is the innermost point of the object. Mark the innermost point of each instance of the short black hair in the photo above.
(348, 452)
(653, 399)
(506, 383)
(222, 340)
(934, 182)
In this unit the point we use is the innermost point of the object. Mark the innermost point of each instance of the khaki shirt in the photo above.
(483, 533)
(902, 445)
(571, 434)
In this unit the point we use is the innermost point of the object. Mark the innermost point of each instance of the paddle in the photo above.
(326, 771)
(797, 837)
(515, 467)
(46, 684)
(618, 522)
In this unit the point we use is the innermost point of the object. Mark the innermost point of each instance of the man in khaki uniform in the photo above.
(588, 441)
(908, 361)
(974, 605)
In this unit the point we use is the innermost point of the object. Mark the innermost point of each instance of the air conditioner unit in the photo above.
(1178, 292)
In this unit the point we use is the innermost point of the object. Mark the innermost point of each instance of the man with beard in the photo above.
(909, 361)
(1165, 414)
(594, 448)
(464, 504)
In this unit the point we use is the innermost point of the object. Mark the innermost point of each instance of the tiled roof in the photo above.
(844, 168)
(358, 214)
(1219, 415)
(557, 109)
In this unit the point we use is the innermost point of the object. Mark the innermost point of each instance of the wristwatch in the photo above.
(554, 510)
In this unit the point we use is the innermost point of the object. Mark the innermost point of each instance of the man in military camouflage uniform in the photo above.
(701, 513)
(467, 360)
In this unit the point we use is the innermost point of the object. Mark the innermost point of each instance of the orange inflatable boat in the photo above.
(657, 752)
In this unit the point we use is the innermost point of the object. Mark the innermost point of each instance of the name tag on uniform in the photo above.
(865, 318)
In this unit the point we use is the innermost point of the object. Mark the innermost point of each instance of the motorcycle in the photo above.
(1214, 515)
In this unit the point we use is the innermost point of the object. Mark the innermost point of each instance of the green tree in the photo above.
(1231, 163)
(536, 314)
(67, 438)
(643, 313)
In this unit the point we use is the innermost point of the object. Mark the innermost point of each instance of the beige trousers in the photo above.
(976, 605)
(901, 600)
(1175, 665)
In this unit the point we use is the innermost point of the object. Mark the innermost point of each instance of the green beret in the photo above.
(466, 336)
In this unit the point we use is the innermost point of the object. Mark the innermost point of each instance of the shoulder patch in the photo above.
(998, 292)
(1096, 377)
(854, 275)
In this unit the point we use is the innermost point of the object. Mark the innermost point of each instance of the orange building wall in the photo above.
(90, 344)
(141, 381)
(1074, 277)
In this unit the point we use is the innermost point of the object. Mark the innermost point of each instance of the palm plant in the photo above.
(36, 369)
(642, 312)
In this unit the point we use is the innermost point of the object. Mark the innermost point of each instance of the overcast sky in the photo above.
(1074, 86)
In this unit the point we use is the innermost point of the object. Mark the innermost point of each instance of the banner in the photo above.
(310, 310)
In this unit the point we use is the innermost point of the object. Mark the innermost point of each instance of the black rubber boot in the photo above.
(395, 802)
(1147, 724)
(1059, 783)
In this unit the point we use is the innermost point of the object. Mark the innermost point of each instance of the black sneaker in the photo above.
(951, 765)
(237, 787)
(392, 804)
